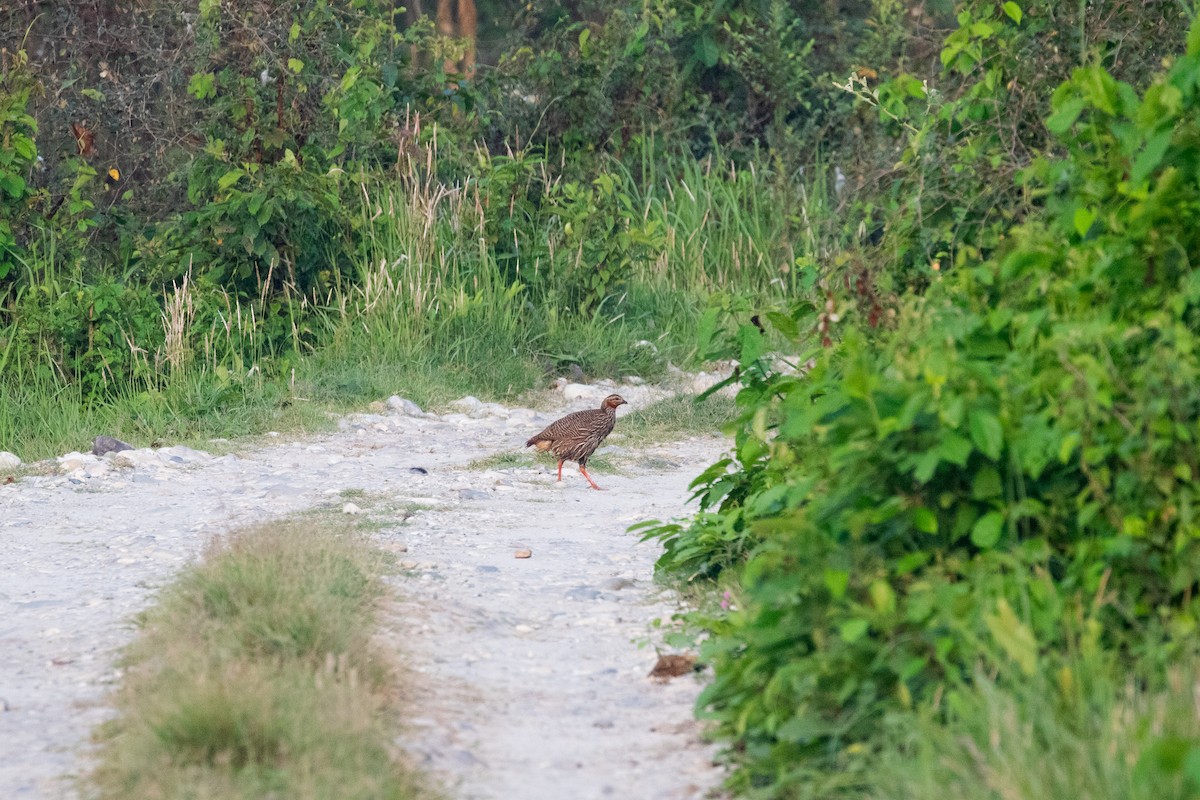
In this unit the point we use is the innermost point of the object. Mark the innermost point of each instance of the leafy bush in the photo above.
(1007, 474)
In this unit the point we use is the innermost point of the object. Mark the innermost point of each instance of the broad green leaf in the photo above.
(852, 630)
(836, 581)
(1151, 155)
(987, 530)
(955, 449)
(986, 432)
(926, 466)
(295, 65)
(925, 520)
(986, 484)
(12, 185)
(883, 597)
(230, 178)
(202, 85)
(1014, 637)
(802, 729)
(1083, 221)
(707, 51)
(1013, 11)
(1065, 115)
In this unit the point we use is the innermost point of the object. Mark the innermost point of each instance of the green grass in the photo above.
(676, 418)
(256, 676)
(1087, 733)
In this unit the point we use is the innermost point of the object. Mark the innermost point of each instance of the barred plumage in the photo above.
(576, 436)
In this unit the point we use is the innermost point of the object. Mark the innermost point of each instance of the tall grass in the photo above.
(1082, 733)
(436, 309)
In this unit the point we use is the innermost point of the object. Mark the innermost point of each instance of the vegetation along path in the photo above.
(529, 675)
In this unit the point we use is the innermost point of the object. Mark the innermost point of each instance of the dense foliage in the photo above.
(1003, 478)
(970, 226)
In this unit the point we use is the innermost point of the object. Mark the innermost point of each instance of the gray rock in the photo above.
(419, 470)
(488, 569)
(107, 444)
(9, 460)
(404, 406)
(473, 494)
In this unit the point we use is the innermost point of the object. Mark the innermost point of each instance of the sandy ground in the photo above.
(529, 676)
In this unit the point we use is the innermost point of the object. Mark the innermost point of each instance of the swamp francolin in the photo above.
(576, 436)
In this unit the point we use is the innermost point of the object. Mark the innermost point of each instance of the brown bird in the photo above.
(576, 436)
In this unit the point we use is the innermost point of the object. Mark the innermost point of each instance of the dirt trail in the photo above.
(529, 674)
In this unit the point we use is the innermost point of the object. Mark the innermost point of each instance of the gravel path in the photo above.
(529, 674)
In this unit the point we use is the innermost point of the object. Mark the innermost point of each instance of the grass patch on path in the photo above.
(676, 418)
(255, 676)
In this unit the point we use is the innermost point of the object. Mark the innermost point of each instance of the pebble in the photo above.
(473, 494)
(351, 508)
(523, 554)
(9, 460)
(404, 406)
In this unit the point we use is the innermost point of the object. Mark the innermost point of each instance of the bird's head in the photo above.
(612, 401)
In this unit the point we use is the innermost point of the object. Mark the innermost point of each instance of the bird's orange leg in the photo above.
(560, 463)
(589, 478)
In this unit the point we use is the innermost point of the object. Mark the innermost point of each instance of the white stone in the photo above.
(581, 391)
(74, 462)
(96, 470)
(9, 460)
(404, 406)
(467, 404)
(144, 457)
(351, 508)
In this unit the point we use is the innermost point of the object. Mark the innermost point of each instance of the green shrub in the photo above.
(1007, 474)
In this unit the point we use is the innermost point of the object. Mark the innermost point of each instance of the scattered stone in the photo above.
(404, 406)
(576, 373)
(487, 569)
(634, 380)
(419, 470)
(9, 460)
(107, 444)
(74, 462)
(672, 666)
(473, 494)
(603, 723)
(351, 508)
(523, 554)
